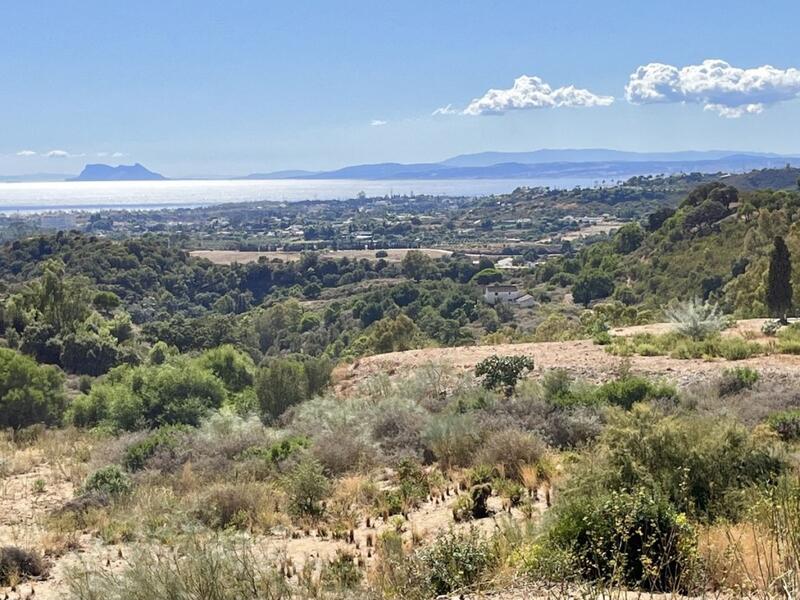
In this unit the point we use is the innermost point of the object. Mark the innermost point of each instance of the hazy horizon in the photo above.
(265, 87)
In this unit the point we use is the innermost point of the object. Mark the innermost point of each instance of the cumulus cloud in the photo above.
(529, 93)
(729, 91)
(378, 123)
(57, 154)
(26, 153)
(118, 155)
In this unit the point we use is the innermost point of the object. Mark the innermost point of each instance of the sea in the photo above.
(38, 197)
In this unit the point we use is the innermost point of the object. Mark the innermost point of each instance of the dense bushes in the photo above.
(29, 393)
(700, 465)
(627, 391)
(625, 539)
(177, 392)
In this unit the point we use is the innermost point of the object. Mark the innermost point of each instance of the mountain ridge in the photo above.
(103, 172)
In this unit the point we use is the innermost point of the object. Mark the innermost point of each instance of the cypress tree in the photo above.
(779, 285)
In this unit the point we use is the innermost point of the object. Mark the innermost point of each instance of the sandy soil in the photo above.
(226, 257)
(582, 358)
(24, 504)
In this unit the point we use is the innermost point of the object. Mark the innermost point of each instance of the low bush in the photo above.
(17, 564)
(702, 466)
(503, 372)
(192, 569)
(685, 347)
(625, 539)
(510, 450)
(737, 379)
(237, 506)
(307, 487)
(110, 481)
(137, 454)
(453, 439)
(786, 424)
(628, 390)
(454, 562)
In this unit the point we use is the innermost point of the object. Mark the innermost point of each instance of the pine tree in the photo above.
(779, 285)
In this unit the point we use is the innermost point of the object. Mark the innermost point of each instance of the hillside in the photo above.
(715, 245)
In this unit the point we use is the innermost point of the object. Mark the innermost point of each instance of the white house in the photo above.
(506, 294)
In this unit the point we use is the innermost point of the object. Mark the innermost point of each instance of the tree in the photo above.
(29, 393)
(628, 238)
(487, 276)
(503, 371)
(280, 384)
(656, 219)
(592, 285)
(705, 215)
(779, 285)
(234, 368)
(106, 302)
(417, 265)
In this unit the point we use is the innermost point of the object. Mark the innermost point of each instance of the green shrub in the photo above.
(29, 393)
(454, 562)
(137, 455)
(341, 573)
(737, 379)
(786, 424)
(307, 487)
(280, 384)
(627, 391)
(736, 348)
(234, 368)
(110, 481)
(503, 372)
(279, 451)
(634, 540)
(700, 465)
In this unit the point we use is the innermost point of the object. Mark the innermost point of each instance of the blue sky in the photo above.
(200, 87)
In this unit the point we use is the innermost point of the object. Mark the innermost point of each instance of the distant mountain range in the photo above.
(100, 172)
(553, 164)
(591, 163)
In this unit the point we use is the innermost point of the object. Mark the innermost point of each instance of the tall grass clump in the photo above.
(194, 569)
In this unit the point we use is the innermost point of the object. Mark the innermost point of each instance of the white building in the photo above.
(506, 294)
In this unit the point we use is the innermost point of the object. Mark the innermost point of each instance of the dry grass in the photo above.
(227, 257)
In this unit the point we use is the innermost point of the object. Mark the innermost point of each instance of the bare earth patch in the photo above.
(227, 257)
(582, 358)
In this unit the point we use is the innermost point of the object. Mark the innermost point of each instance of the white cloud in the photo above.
(445, 110)
(63, 154)
(378, 123)
(719, 87)
(531, 92)
(117, 155)
(26, 153)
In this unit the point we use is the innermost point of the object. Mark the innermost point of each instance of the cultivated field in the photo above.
(227, 257)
